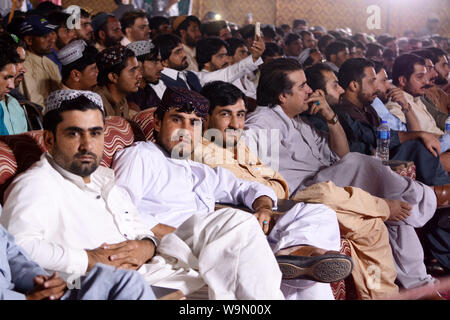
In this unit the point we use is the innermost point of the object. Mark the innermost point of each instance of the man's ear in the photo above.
(402, 82)
(102, 35)
(157, 124)
(353, 86)
(282, 98)
(322, 92)
(49, 141)
(75, 75)
(165, 63)
(28, 41)
(206, 122)
(113, 77)
(182, 33)
(333, 58)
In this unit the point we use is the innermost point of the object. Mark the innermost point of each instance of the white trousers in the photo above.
(306, 224)
(226, 250)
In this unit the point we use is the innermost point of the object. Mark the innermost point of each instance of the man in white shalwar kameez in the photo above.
(168, 188)
(68, 213)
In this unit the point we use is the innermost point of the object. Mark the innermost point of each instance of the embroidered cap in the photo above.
(55, 98)
(111, 56)
(184, 100)
(141, 48)
(72, 52)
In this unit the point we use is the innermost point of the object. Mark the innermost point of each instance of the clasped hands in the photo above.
(130, 254)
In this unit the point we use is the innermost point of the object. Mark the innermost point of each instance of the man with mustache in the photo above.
(149, 60)
(118, 76)
(85, 221)
(175, 63)
(107, 31)
(168, 188)
(359, 119)
(134, 27)
(410, 74)
(43, 75)
(435, 99)
(212, 54)
(308, 156)
(188, 29)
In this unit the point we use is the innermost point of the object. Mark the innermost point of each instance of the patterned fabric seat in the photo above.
(19, 152)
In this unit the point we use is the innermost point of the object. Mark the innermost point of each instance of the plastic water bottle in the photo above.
(383, 140)
(447, 125)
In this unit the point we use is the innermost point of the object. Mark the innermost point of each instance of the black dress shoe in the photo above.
(329, 267)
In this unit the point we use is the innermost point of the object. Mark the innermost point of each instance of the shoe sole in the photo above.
(325, 269)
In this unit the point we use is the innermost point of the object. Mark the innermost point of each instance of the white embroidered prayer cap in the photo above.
(72, 52)
(55, 98)
(141, 47)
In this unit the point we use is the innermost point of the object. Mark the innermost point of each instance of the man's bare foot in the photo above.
(399, 210)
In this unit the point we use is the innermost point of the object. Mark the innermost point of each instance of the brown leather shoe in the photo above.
(442, 195)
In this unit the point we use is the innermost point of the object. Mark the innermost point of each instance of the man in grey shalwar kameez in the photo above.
(305, 157)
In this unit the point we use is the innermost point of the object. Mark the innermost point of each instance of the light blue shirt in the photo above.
(17, 271)
(13, 115)
(397, 125)
(394, 123)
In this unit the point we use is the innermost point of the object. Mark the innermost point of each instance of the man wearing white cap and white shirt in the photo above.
(79, 68)
(149, 60)
(85, 218)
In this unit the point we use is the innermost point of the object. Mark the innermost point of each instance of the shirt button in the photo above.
(126, 211)
(125, 235)
(98, 197)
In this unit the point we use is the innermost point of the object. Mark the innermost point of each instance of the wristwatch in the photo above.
(333, 120)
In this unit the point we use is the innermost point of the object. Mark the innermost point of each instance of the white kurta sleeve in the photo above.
(229, 189)
(134, 173)
(31, 211)
(231, 73)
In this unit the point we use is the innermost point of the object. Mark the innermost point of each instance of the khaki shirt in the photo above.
(42, 77)
(243, 164)
(426, 120)
(120, 109)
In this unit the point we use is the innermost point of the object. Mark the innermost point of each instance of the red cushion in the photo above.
(146, 121)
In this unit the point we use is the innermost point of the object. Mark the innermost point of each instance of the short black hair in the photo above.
(104, 71)
(352, 70)
(58, 18)
(234, 44)
(298, 22)
(185, 24)
(52, 118)
(129, 18)
(438, 52)
(315, 77)
(155, 22)
(350, 43)
(323, 42)
(88, 58)
(274, 80)
(372, 48)
(220, 93)
(166, 43)
(272, 49)
(360, 45)
(424, 53)
(404, 66)
(8, 54)
(208, 47)
(377, 66)
(334, 48)
(291, 37)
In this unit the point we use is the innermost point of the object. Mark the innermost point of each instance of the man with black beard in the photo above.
(107, 30)
(188, 29)
(149, 60)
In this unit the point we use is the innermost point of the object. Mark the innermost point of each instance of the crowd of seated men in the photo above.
(241, 118)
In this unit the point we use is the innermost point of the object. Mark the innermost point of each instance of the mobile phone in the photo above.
(258, 29)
